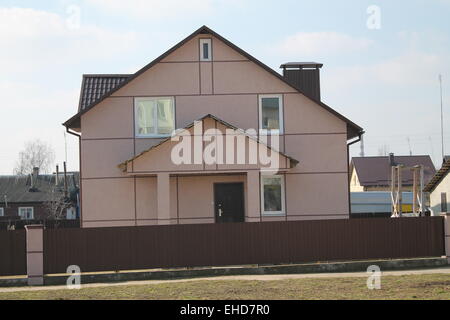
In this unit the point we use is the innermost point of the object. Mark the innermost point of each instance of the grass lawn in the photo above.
(430, 286)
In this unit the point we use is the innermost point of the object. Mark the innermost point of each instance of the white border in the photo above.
(202, 41)
(136, 127)
(283, 205)
(32, 212)
(280, 114)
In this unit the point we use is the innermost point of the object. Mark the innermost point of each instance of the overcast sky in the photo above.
(385, 79)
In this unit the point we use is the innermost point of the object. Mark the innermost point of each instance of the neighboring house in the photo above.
(124, 122)
(378, 204)
(439, 189)
(374, 173)
(26, 197)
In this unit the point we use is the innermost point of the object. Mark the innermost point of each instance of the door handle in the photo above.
(220, 212)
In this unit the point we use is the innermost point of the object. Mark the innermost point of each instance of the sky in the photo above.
(381, 60)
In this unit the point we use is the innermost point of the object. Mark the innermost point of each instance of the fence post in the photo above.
(35, 254)
(447, 234)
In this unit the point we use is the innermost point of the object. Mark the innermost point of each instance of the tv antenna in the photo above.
(409, 144)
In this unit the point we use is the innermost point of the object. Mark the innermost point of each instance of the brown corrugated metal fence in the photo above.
(127, 248)
(13, 259)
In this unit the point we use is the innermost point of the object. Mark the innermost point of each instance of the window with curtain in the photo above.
(154, 116)
(272, 194)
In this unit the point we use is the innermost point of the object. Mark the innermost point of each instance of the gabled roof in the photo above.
(95, 86)
(439, 176)
(353, 129)
(376, 171)
(16, 188)
(124, 164)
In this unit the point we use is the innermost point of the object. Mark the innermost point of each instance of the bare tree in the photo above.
(56, 206)
(36, 153)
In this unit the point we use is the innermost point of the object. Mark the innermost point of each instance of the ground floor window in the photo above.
(2, 212)
(272, 195)
(26, 213)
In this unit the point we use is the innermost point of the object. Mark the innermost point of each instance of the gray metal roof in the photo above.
(95, 86)
(17, 188)
(376, 171)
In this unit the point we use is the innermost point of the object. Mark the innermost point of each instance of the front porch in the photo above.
(195, 177)
(199, 198)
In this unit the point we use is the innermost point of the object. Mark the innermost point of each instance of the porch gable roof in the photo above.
(125, 165)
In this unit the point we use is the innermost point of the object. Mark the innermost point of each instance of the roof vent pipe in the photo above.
(34, 177)
(57, 176)
(391, 159)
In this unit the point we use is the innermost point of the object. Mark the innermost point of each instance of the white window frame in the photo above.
(283, 204)
(2, 212)
(280, 114)
(201, 43)
(32, 213)
(136, 117)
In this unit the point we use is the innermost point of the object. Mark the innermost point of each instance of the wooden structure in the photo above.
(397, 189)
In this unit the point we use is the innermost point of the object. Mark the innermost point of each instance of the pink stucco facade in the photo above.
(152, 190)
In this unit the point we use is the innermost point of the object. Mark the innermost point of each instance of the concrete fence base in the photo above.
(139, 275)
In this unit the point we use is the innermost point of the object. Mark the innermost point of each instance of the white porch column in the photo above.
(253, 198)
(163, 198)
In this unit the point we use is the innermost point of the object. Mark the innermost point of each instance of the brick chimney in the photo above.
(304, 76)
(34, 178)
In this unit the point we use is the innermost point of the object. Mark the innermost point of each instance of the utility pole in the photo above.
(361, 153)
(65, 146)
(442, 118)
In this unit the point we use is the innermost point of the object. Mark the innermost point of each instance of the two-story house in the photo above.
(186, 140)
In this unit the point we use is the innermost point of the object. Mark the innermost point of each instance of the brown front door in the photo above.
(229, 202)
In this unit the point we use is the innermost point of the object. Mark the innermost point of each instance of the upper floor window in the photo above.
(272, 195)
(26, 213)
(205, 49)
(271, 113)
(155, 117)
